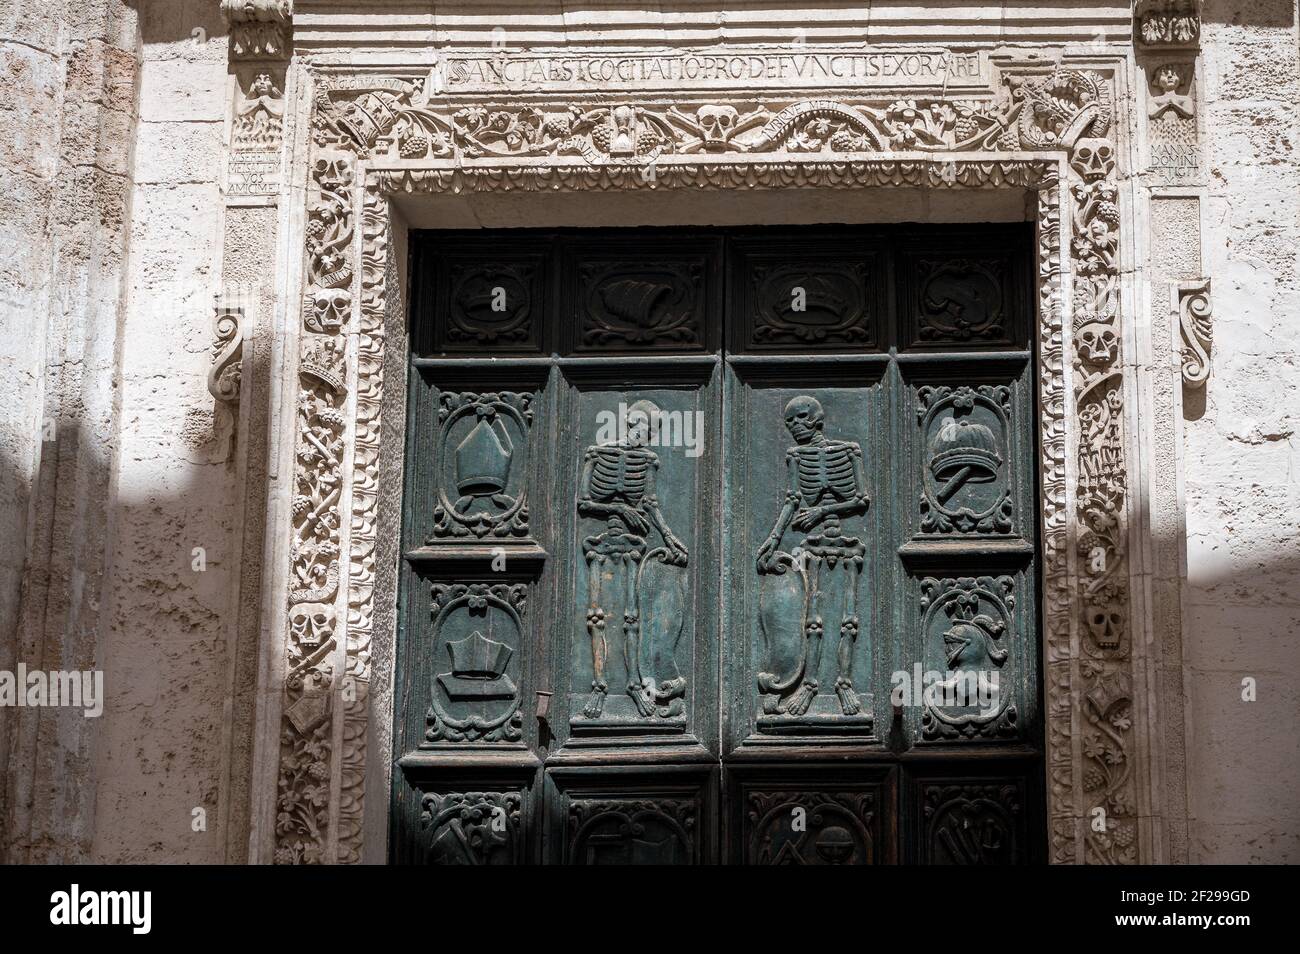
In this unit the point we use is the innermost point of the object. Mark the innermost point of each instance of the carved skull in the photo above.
(311, 624)
(330, 308)
(1105, 623)
(1093, 158)
(718, 123)
(804, 417)
(1097, 343)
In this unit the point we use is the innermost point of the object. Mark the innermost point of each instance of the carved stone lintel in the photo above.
(228, 351)
(1195, 312)
(258, 28)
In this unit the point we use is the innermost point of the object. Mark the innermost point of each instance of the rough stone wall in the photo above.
(1242, 465)
(175, 483)
(66, 132)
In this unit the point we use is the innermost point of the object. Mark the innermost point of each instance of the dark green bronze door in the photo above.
(720, 546)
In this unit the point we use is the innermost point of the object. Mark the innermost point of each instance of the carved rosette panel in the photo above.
(480, 628)
(472, 828)
(965, 434)
(967, 626)
(637, 831)
(810, 828)
(387, 119)
(483, 451)
(973, 823)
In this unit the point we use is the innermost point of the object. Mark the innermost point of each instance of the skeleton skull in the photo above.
(1097, 343)
(1104, 623)
(718, 124)
(1093, 158)
(329, 309)
(804, 417)
(310, 624)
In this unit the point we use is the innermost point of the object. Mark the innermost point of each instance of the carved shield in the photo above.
(661, 589)
(780, 619)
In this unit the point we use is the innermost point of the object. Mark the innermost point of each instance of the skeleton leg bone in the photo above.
(803, 696)
(596, 631)
(849, 702)
(638, 688)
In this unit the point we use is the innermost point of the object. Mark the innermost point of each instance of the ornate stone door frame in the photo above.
(1060, 132)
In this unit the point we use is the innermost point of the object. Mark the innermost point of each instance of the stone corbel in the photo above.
(1195, 311)
(259, 29)
(1167, 24)
(228, 351)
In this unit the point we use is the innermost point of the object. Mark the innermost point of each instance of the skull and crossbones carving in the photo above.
(1093, 158)
(329, 309)
(1097, 343)
(311, 624)
(716, 126)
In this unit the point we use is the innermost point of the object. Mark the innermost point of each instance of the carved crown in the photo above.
(964, 444)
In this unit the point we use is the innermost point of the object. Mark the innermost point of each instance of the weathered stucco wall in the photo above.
(174, 480)
(1242, 465)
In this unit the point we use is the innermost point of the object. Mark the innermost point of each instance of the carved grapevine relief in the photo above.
(389, 119)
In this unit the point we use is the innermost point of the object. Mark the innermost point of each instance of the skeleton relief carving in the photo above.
(826, 486)
(625, 565)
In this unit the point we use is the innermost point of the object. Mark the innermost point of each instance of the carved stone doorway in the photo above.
(720, 544)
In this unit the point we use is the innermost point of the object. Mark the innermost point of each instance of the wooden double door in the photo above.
(719, 546)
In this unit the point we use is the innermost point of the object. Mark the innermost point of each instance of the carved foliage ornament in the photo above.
(258, 28)
(393, 118)
(1168, 23)
(592, 148)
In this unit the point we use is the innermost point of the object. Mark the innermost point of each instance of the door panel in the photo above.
(800, 583)
(640, 602)
(720, 546)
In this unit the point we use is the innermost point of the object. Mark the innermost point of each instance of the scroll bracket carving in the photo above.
(1195, 314)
